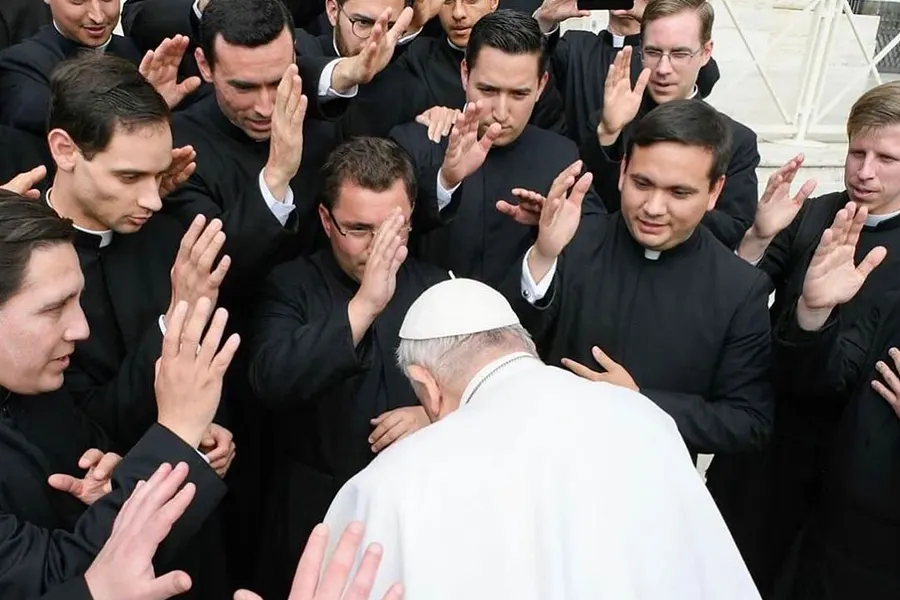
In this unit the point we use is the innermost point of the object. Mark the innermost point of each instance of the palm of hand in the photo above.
(833, 281)
(776, 213)
(621, 106)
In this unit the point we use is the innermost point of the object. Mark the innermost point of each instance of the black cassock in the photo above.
(20, 152)
(322, 392)
(736, 206)
(21, 19)
(48, 537)
(850, 546)
(691, 327)
(435, 63)
(126, 289)
(25, 75)
(580, 61)
(480, 242)
(765, 497)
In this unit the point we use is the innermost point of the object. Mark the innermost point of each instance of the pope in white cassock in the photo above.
(531, 482)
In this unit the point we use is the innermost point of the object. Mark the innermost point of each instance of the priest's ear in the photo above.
(715, 189)
(427, 391)
(706, 53)
(203, 65)
(332, 11)
(64, 150)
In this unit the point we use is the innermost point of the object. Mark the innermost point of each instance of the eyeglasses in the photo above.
(360, 233)
(678, 58)
(362, 26)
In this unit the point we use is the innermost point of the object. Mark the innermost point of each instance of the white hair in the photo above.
(450, 358)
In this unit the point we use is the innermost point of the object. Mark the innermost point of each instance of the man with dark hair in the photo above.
(676, 44)
(647, 294)
(491, 153)
(46, 442)
(322, 353)
(78, 27)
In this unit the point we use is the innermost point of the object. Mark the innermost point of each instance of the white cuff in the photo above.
(325, 90)
(282, 209)
(531, 291)
(444, 196)
(197, 10)
(205, 457)
(755, 262)
(546, 33)
(409, 37)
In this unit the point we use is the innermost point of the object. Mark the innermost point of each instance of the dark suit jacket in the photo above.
(25, 71)
(48, 538)
(21, 19)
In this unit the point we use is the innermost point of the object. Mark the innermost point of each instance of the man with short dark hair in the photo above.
(492, 152)
(322, 353)
(648, 295)
(50, 536)
(676, 43)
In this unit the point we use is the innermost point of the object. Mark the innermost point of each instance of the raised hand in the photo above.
(561, 212)
(439, 120)
(286, 142)
(311, 582)
(218, 446)
(181, 169)
(190, 370)
(527, 211)
(552, 12)
(193, 276)
(776, 208)
(424, 11)
(375, 54)
(395, 425)
(386, 254)
(96, 483)
(621, 102)
(465, 151)
(24, 183)
(123, 569)
(160, 68)
(833, 277)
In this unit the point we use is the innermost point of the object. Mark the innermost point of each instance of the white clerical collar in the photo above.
(491, 368)
(873, 220)
(455, 47)
(101, 48)
(618, 40)
(693, 93)
(334, 43)
(651, 254)
(105, 236)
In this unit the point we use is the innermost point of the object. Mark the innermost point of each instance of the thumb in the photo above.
(506, 208)
(246, 595)
(168, 585)
(65, 483)
(190, 85)
(602, 359)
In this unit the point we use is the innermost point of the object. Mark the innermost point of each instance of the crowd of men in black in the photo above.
(239, 150)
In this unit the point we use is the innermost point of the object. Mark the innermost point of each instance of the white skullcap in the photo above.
(456, 307)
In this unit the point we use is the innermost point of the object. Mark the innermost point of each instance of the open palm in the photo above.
(833, 276)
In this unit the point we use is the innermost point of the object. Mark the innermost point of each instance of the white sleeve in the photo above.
(325, 91)
(531, 291)
(197, 10)
(444, 196)
(281, 209)
(546, 33)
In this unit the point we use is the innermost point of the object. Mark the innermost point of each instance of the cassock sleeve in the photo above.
(826, 362)
(736, 415)
(294, 358)
(125, 406)
(25, 99)
(33, 559)
(75, 589)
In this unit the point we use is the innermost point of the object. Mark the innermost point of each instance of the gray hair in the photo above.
(450, 358)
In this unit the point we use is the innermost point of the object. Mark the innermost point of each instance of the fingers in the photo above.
(168, 585)
(805, 191)
(490, 136)
(213, 338)
(579, 190)
(401, 25)
(65, 483)
(23, 183)
(565, 180)
(603, 360)
(338, 569)
(891, 381)
(108, 463)
(887, 394)
(579, 369)
(248, 595)
(171, 345)
(196, 323)
(136, 508)
(90, 458)
(223, 359)
(642, 81)
(391, 435)
(190, 239)
(395, 592)
(855, 225)
(208, 245)
(386, 422)
(306, 577)
(362, 583)
(874, 258)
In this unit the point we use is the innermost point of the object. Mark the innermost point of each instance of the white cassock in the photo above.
(544, 486)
